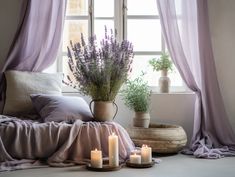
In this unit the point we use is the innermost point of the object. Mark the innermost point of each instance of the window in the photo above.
(135, 20)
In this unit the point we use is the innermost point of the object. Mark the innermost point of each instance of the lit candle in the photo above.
(136, 151)
(96, 159)
(135, 158)
(146, 154)
(113, 150)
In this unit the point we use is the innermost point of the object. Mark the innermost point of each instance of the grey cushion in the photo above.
(61, 108)
(21, 84)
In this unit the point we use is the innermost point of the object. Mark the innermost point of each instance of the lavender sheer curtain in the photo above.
(185, 27)
(37, 39)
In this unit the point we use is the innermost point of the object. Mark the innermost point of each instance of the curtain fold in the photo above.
(185, 27)
(37, 39)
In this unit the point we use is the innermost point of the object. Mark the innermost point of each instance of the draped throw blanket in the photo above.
(36, 42)
(185, 27)
(57, 143)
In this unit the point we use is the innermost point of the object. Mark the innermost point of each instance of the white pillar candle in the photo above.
(113, 150)
(136, 151)
(146, 154)
(135, 158)
(96, 159)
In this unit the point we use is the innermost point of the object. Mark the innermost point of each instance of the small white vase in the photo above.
(164, 82)
(141, 119)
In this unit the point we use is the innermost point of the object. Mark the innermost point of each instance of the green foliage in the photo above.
(162, 63)
(136, 95)
(99, 71)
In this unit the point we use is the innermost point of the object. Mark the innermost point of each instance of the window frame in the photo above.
(120, 24)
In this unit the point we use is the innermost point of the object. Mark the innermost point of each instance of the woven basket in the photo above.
(162, 138)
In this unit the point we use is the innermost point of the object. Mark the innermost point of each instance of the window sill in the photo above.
(154, 91)
(173, 90)
(174, 93)
(67, 89)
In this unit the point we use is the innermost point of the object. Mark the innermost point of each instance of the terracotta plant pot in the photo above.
(103, 110)
(141, 119)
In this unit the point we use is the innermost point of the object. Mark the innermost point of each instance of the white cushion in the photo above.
(21, 84)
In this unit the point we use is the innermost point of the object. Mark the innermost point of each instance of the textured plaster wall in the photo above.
(9, 18)
(222, 25)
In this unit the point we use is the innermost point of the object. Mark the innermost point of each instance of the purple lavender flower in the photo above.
(99, 71)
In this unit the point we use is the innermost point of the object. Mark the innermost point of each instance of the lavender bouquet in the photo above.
(99, 71)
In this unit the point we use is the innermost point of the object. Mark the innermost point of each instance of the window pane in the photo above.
(141, 63)
(73, 30)
(175, 77)
(104, 8)
(77, 7)
(145, 34)
(142, 7)
(100, 28)
(65, 68)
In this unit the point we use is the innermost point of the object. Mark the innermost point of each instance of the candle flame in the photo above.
(113, 134)
(144, 145)
(96, 149)
(135, 154)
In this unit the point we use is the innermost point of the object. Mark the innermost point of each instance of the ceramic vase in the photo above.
(164, 82)
(103, 110)
(141, 119)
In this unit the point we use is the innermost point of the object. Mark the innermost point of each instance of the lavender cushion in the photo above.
(61, 108)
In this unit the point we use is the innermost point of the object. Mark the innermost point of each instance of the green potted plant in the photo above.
(100, 71)
(163, 64)
(136, 96)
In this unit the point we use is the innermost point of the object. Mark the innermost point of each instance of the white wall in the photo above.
(222, 25)
(166, 108)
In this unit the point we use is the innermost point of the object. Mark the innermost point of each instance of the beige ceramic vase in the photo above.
(141, 119)
(164, 82)
(104, 110)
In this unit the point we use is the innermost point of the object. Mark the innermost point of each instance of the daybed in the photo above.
(61, 131)
(27, 143)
